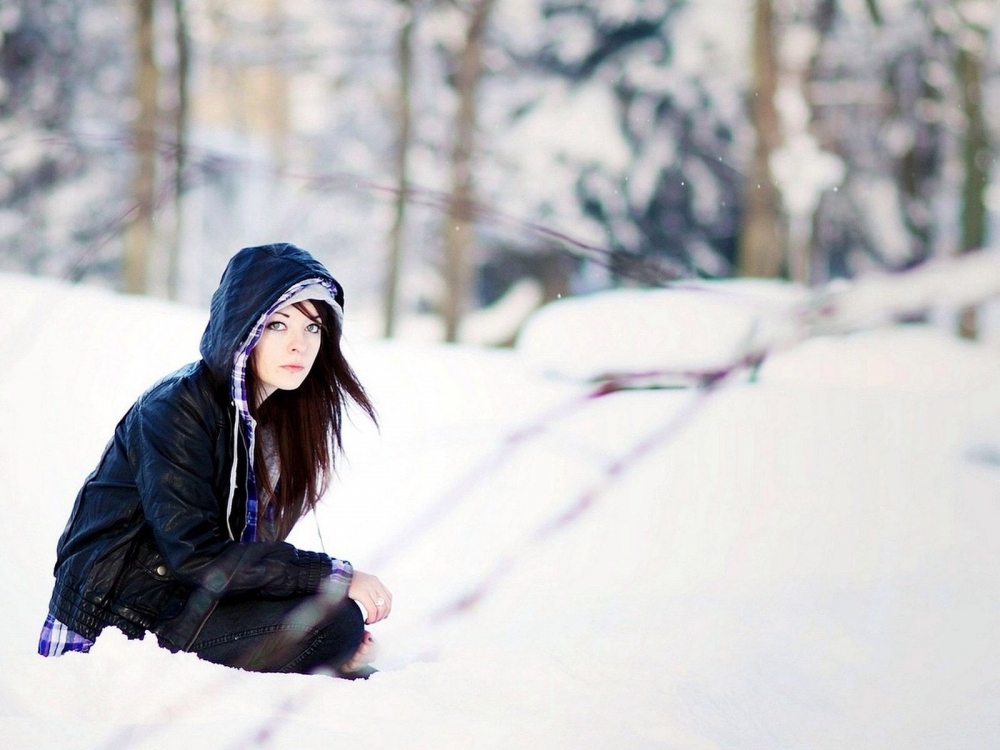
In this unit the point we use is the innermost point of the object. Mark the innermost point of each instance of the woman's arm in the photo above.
(172, 441)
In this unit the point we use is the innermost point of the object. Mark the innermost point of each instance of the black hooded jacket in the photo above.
(148, 544)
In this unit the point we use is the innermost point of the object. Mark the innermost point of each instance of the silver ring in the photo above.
(379, 602)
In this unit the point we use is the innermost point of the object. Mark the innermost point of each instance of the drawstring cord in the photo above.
(232, 474)
(319, 533)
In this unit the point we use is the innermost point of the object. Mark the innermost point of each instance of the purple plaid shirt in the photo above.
(56, 639)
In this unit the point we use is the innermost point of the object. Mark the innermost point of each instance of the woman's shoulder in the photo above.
(192, 387)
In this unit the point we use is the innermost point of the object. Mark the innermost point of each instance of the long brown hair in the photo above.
(305, 426)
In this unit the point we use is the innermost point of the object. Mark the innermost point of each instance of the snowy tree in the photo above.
(404, 71)
(63, 78)
(659, 175)
(762, 236)
(457, 235)
(618, 142)
(889, 98)
(971, 34)
(146, 76)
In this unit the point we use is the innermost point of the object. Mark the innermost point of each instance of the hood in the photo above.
(252, 282)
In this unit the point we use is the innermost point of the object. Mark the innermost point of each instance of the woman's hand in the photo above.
(368, 591)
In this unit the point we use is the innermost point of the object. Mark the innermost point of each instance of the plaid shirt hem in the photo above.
(56, 639)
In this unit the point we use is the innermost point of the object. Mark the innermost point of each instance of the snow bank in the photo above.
(808, 560)
(908, 357)
(676, 332)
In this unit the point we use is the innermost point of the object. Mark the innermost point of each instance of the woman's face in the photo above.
(287, 349)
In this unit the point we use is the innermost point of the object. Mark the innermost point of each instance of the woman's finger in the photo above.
(383, 604)
(374, 598)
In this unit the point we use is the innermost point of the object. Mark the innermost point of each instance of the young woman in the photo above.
(179, 530)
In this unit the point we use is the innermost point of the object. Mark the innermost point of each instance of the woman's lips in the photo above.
(293, 368)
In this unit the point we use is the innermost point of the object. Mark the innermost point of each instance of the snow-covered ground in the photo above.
(809, 560)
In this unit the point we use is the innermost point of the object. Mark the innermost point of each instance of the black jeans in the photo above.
(301, 634)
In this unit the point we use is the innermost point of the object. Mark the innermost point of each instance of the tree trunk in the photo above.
(404, 60)
(182, 40)
(975, 159)
(874, 12)
(761, 246)
(458, 230)
(139, 233)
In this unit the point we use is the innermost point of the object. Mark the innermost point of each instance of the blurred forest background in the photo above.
(443, 155)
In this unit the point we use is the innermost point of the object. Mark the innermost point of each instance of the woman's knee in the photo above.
(336, 639)
(346, 624)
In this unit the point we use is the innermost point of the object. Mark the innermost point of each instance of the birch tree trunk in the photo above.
(975, 160)
(183, 43)
(458, 230)
(138, 237)
(762, 250)
(404, 61)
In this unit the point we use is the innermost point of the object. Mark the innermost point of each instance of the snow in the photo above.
(940, 284)
(576, 124)
(804, 171)
(700, 327)
(807, 559)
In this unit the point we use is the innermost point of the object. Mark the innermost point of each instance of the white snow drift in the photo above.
(807, 560)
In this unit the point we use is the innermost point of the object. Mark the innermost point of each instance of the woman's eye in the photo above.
(275, 325)
(313, 328)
